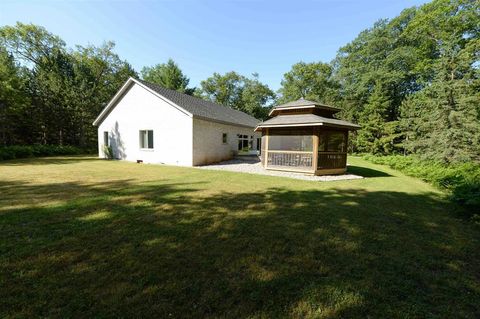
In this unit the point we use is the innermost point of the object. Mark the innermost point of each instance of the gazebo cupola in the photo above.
(303, 136)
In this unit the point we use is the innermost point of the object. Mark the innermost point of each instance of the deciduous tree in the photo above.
(169, 75)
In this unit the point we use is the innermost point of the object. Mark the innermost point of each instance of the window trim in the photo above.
(147, 140)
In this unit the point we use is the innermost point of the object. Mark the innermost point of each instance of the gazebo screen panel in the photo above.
(291, 140)
(332, 149)
(291, 147)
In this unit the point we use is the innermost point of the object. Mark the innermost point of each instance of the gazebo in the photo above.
(303, 136)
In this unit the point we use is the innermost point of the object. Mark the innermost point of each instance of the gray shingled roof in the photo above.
(303, 102)
(204, 109)
(306, 119)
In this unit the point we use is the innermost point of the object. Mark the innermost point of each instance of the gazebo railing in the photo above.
(301, 160)
(331, 160)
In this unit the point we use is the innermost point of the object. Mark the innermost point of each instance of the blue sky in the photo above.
(203, 37)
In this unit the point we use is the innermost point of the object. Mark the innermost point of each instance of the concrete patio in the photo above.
(252, 165)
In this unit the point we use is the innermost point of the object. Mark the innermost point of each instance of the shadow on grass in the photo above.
(70, 159)
(365, 172)
(121, 249)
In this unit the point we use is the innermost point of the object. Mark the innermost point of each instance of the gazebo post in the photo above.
(267, 133)
(315, 150)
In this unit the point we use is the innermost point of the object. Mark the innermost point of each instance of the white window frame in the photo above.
(242, 138)
(142, 141)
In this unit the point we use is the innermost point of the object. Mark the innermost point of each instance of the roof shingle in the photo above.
(306, 119)
(204, 109)
(302, 102)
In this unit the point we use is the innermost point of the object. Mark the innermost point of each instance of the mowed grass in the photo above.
(82, 237)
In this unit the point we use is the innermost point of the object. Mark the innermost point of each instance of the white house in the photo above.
(146, 122)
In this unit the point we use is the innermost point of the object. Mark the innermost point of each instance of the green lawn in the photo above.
(81, 237)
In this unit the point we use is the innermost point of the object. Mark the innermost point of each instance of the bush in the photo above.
(24, 151)
(108, 152)
(462, 181)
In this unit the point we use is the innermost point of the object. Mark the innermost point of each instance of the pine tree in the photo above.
(373, 137)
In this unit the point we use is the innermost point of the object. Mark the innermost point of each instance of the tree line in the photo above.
(412, 82)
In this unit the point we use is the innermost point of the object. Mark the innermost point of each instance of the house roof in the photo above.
(305, 120)
(302, 103)
(195, 107)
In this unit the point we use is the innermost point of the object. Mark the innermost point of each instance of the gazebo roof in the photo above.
(305, 120)
(302, 103)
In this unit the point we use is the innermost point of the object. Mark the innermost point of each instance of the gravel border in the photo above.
(253, 166)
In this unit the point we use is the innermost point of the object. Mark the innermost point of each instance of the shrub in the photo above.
(108, 151)
(462, 181)
(24, 151)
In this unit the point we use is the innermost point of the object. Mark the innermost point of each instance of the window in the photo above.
(259, 143)
(224, 138)
(105, 139)
(244, 143)
(146, 139)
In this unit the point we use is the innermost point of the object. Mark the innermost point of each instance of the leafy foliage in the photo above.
(57, 92)
(312, 81)
(377, 135)
(13, 98)
(442, 120)
(168, 75)
(411, 82)
(461, 180)
(108, 151)
(25, 151)
(239, 92)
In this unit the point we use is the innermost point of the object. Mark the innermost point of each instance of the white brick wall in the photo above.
(207, 141)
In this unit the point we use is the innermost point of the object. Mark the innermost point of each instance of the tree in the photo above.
(66, 89)
(382, 53)
(13, 100)
(310, 81)
(31, 44)
(99, 73)
(169, 75)
(442, 120)
(426, 61)
(44, 56)
(223, 89)
(377, 136)
(239, 92)
(256, 97)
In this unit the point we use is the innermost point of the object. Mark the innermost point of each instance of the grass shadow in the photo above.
(50, 160)
(170, 249)
(365, 171)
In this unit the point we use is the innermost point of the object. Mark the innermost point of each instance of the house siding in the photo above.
(140, 109)
(207, 141)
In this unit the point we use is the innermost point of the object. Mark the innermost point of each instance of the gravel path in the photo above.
(253, 166)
